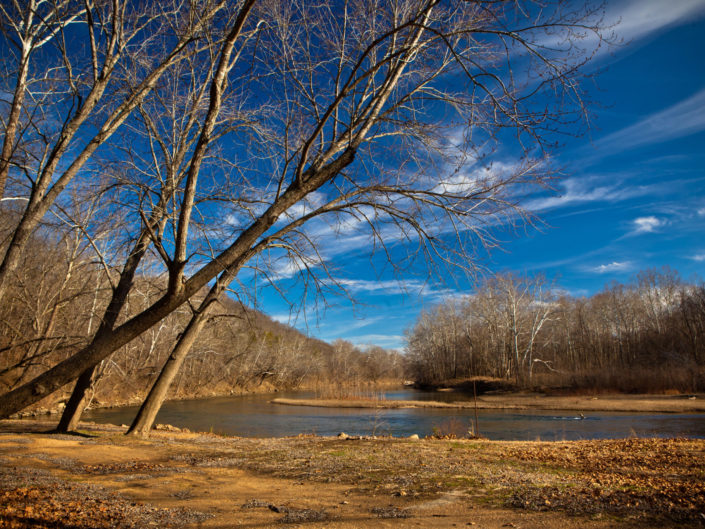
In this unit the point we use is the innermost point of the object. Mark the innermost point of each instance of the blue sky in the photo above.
(631, 195)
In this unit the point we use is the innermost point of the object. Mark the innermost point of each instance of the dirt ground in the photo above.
(103, 479)
(523, 401)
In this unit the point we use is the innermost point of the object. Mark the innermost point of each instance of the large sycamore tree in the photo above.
(241, 132)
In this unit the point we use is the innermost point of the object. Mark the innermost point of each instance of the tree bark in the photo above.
(48, 186)
(152, 404)
(78, 401)
(14, 118)
(150, 407)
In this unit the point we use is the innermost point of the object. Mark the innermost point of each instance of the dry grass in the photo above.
(353, 390)
(523, 401)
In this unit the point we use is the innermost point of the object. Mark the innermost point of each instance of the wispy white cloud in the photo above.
(389, 341)
(352, 325)
(282, 266)
(284, 317)
(647, 224)
(676, 121)
(573, 292)
(474, 178)
(614, 266)
(587, 189)
(700, 257)
(286, 269)
(637, 19)
(701, 212)
(378, 287)
(394, 287)
(312, 201)
(631, 21)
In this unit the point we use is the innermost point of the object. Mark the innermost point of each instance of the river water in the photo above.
(255, 416)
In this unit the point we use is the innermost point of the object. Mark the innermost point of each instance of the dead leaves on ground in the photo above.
(632, 477)
(47, 502)
(39, 508)
(119, 468)
(291, 515)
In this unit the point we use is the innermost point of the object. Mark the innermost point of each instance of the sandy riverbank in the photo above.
(103, 479)
(518, 401)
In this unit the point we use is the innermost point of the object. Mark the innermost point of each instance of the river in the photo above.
(255, 416)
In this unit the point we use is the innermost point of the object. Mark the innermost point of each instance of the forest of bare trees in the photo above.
(61, 293)
(644, 336)
(169, 148)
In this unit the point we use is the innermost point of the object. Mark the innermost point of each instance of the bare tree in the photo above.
(360, 102)
(525, 305)
(503, 319)
(27, 27)
(437, 346)
(100, 81)
(169, 130)
(49, 293)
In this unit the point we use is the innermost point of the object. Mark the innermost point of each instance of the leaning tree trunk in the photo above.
(78, 401)
(150, 407)
(79, 397)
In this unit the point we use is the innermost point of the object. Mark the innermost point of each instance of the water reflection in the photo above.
(255, 416)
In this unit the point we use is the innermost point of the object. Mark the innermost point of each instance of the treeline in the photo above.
(647, 335)
(59, 294)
